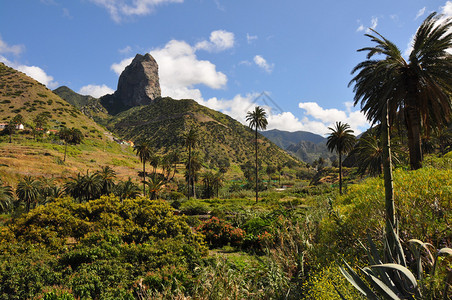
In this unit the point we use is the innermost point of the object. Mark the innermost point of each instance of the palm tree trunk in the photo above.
(257, 193)
(144, 177)
(387, 172)
(340, 172)
(189, 171)
(413, 124)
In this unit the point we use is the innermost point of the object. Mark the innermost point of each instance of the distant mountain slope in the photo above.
(285, 138)
(72, 97)
(304, 145)
(164, 121)
(89, 105)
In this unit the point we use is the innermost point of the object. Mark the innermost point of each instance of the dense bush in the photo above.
(220, 233)
(96, 250)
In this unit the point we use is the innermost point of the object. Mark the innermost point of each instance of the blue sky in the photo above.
(292, 57)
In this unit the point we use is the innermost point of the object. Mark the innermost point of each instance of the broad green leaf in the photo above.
(403, 270)
(385, 290)
(357, 282)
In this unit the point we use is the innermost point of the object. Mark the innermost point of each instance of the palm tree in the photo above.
(342, 141)
(192, 167)
(418, 89)
(28, 191)
(155, 185)
(6, 197)
(143, 151)
(368, 152)
(191, 139)
(106, 176)
(218, 179)
(91, 186)
(73, 187)
(258, 120)
(154, 161)
(126, 189)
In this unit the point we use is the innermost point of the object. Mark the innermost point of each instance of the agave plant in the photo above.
(388, 277)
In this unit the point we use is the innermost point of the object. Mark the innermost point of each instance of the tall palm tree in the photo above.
(418, 89)
(28, 191)
(193, 167)
(191, 140)
(341, 140)
(257, 119)
(144, 152)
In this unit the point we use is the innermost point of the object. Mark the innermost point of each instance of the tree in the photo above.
(419, 90)
(342, 141)
(218, 179)
(155, 185)
(40, 123)
(71, 136)
(106, 177)
(144, 152)
(126, 189)
(154, 161)
(191, 140)
(28, 191)
(13, 124)
(193, 166)
(257, 119)
(369, 153)
(6, 197)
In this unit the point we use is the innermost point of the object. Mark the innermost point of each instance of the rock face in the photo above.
(138, 85)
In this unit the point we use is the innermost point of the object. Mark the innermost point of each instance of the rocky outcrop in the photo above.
(138, 85)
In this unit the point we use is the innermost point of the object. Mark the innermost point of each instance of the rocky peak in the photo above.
(138, 85)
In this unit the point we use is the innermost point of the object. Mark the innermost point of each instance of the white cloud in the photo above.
(38, 74)
(119, 67)
(96, 91)
(219, 40)
(262, 63)
(250, 38)
(14, 49)
(125, 50)
(447, 9)
(34, 72)
(180, 68)
(319, 119)
(373, 25)
(420, 13)
(118, 9)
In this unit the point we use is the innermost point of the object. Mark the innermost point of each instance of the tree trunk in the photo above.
(144, 178)
(189, 171)
(340, 172)
(413, 124)
(387, 172)
(257, 193)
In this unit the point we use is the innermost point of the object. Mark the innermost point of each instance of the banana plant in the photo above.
(388, 277)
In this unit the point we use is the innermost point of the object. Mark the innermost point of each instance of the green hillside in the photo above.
(165, 120)
(20, 94)
(42, 156)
